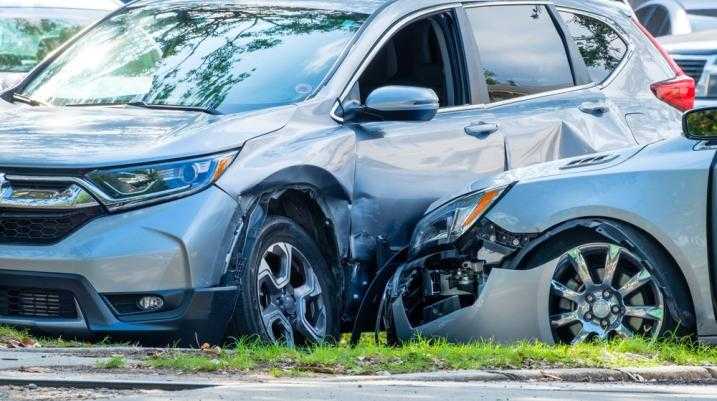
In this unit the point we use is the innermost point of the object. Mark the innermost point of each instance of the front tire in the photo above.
(605, 288)
(287, 293)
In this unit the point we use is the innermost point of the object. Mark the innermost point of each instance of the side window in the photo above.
(424, 54)
(656, 19)
(521, 50)
(601, 47)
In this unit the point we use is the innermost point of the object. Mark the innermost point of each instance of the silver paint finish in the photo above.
(177, 245)
(662, 190)
(505, 312)
(376, 179)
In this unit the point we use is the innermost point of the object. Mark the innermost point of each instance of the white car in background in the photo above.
(31, 29)
(676, 17)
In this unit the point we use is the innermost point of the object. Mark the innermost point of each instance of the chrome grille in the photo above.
(692, 67)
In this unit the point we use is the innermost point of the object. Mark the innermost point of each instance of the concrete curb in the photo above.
(688, 374)
(108, 384)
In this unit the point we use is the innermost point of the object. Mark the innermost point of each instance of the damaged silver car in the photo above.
(196, 168)
(614, 244)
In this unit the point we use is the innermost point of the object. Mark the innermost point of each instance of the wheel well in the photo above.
(550, 244)
(302, 207)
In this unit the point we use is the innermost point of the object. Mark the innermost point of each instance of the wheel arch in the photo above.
(308, 195)
(546, 247)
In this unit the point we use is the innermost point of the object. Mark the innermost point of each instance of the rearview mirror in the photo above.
(399, 103)
(700, 123)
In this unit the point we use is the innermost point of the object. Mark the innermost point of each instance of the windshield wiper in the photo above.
(173, 107)
(27, 100)
(149, 106)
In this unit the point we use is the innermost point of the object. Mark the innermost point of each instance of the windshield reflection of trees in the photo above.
(182, 36)
(33, 41)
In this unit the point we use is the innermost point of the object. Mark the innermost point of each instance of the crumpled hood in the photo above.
(544, 170)
(84, 137)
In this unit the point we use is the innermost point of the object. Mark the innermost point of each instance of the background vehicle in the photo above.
(188, 162)
(613, 244)
(30, 30)
(676, 17)
(696, 54)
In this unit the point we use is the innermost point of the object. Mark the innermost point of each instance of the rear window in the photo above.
(521, 50)
(601, 47)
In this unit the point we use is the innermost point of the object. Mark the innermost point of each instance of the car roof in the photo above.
(363, 6)
(73, 4)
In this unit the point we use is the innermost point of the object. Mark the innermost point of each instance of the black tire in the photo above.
(678, 310)
(247, 320)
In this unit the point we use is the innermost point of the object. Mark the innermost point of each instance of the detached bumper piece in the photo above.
(464, 294)
(68, 305)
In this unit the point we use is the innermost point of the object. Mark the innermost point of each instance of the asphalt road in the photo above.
(301, 390)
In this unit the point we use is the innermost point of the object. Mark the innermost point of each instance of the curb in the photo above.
(689, 374)
(107, 384)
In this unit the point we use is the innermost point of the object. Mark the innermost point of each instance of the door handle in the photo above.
(594, 108)
(481, 129)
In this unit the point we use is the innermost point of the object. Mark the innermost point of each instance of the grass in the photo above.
(17, 338)
(115, 362)
(426, 356)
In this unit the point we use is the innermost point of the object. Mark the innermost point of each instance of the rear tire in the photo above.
(287, 292)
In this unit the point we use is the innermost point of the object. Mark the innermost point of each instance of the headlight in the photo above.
(132, 186)
(449, 222)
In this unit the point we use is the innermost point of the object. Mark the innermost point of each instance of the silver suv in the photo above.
(193, 168)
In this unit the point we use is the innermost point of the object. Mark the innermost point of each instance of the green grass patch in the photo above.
(426, 356)
(11, 337)
(115, 362)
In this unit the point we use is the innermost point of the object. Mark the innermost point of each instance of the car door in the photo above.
(402, 167)
(540, 93)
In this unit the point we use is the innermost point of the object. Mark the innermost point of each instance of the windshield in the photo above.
(27, 35)
(219, 57)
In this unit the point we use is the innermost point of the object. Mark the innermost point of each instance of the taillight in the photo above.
(678, 92)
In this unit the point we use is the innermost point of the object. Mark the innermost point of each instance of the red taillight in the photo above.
(678, 92)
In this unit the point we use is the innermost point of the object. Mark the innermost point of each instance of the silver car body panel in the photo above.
(627, 192)
(177, 245)
(374, 180)
(514, 293)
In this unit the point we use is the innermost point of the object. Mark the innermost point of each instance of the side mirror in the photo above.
(700, 123)
(399, 103)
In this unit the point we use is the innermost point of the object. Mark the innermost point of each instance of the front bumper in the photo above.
(200, 316)
(178, 248)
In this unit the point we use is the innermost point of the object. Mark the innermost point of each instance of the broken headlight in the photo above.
(450, 221)
(138, 185)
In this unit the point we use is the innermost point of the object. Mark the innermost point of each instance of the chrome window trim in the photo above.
(620, 32)
(385, 37)
(488, 106)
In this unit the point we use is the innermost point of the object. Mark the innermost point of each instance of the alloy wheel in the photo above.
(600, 291)
(290, 297)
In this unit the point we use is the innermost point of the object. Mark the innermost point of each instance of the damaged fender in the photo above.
(519, 294)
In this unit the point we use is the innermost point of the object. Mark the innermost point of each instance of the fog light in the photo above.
(150, 303)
